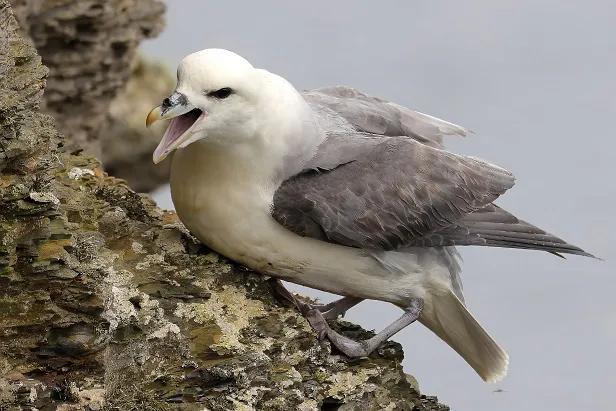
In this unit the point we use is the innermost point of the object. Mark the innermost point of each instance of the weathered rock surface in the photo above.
(89, 47)
(106, 302)
(127, 145)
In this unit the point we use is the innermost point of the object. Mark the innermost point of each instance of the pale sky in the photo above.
(536, 82)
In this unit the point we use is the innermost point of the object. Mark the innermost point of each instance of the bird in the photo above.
(340, 191)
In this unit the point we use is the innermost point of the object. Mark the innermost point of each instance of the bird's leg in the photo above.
(317, 315)
(339, 307)
(362, 348)
(328, 311)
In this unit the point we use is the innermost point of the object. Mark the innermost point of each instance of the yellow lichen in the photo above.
(230, 310)
(350, 384)
(320, 376)
(53, 249)
(6, 181)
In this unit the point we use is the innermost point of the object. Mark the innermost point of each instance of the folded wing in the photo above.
(390, 197)
(381, 181)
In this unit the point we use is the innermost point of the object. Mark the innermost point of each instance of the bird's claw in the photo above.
(329, 311)
(317, 322)
(317, 315)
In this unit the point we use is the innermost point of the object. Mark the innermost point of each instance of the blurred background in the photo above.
(535, 81)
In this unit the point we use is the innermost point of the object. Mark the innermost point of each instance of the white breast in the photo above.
(225, 204)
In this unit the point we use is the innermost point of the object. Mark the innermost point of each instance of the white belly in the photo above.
(220, 204)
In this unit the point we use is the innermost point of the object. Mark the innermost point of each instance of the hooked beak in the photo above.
(183, 117)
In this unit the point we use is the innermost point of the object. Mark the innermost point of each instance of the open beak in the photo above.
(183, 117)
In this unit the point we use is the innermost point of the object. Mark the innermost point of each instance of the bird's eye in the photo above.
(221, 93)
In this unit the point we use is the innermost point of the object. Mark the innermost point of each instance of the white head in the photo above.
(216, 97)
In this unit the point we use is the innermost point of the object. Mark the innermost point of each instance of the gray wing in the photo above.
(376, 116)
(368, 186)
(392, 193)
(494, 227)
(398, 192)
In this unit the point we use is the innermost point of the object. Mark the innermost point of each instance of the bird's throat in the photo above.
(213, 188)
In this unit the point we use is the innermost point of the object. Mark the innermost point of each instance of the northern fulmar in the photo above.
(340, 191)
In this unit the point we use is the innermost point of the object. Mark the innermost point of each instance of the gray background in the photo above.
(535, 81)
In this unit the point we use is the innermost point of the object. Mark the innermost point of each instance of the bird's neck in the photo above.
(291, 133)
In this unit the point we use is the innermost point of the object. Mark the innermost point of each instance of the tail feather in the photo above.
(447, 317)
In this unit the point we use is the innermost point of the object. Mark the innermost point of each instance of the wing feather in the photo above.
(398, 192)
(494, 227)
(373, 115)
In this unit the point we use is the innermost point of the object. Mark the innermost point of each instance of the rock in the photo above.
(106, 302)
(127, 144)
(89, 47)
